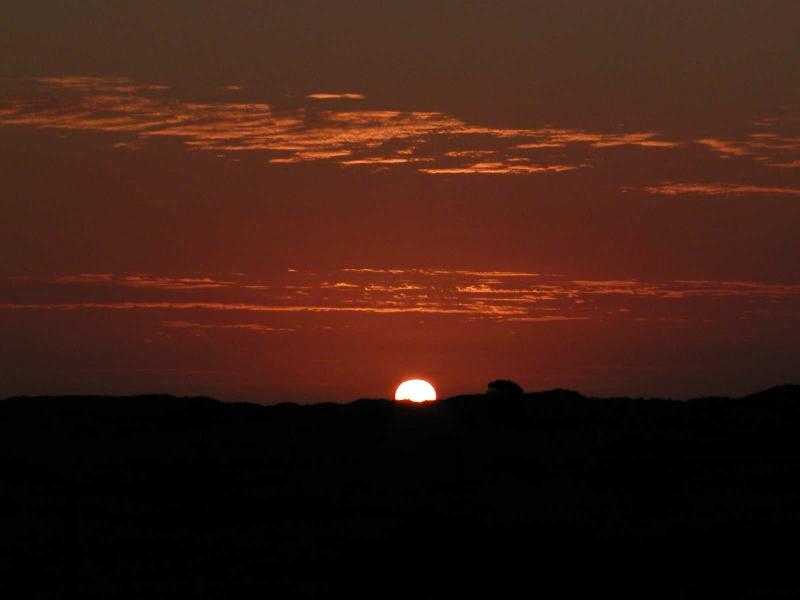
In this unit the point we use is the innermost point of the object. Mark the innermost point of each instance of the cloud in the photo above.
(489, 295)
(377, 160)
(499, 168)
(253, 327)
(401, 287)
(339, 285)
(138, 280)
(358, 136)
(369, 270)
(680, 288)
(714, 189)
(421, 308)
(432, 142)
(791, 164)
(553, 137)
(335, 96)
(119, 85)
(779, 147)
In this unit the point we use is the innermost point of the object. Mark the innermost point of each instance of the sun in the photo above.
(416, 390)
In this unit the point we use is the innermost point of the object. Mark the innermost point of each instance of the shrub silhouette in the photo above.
(504, 387)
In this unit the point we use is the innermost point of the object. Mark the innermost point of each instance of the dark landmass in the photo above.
(549, 494)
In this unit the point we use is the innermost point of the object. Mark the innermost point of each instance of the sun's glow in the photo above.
(416, 390)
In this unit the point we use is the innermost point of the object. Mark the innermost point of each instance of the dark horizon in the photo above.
(497, 494)
(778, 388)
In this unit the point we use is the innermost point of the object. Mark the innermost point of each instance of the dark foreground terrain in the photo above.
(542, 495)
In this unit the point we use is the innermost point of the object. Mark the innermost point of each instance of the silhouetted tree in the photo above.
(504, 387)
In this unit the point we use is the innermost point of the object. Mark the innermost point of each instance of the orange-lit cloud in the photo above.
(253, 327)
(145, 281)
(354, 137)
(499, 168)
(554, 137)
(430, 142)
(369, 270)
(716, 189)
(338, 284)
(377, 160)
(478, 308)
(778, 148)
(85, 84)
(792, 164)
(494, 296)
(336, 96)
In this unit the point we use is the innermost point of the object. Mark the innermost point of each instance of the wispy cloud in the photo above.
(489, 295)
(377, 160)
(432, 142)
(791, 164)
(478, 308)
(551, 137)
(500, 168)
(138, 280)
(336, 96)
(776, 143)
(355, 135)
(86, 84)
(715, 189)
(252, 327)
(441, 272)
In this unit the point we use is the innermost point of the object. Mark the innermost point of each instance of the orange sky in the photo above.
(312, 201)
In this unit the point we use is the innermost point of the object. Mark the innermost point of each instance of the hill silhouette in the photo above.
(553, 494)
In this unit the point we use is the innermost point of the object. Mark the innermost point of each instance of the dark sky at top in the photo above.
(314, 200)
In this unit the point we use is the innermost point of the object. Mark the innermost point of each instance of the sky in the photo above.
(313, 201)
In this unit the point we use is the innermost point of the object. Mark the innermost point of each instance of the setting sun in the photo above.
(416, 390)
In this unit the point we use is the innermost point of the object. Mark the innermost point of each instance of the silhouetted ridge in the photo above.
(550, 493)
(144, 405)
(781, 393)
